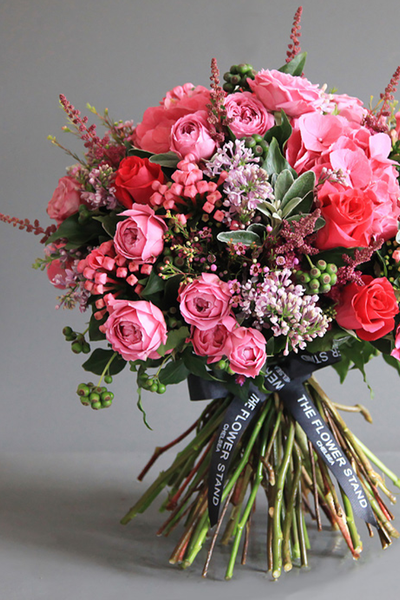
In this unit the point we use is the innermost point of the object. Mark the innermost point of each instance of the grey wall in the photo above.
(125, 55)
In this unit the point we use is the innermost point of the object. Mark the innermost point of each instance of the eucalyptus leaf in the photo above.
(290, 206)
(257, 228)
(319, 223)
(283, 183)
(239, 237)
(275, 162)
(300, 188)
(281, 132)
(296, 66)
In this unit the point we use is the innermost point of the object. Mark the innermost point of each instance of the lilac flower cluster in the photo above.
(277, 303)
(70, 279)
(101, 180)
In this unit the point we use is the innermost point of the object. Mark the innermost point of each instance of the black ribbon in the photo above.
(288, 379)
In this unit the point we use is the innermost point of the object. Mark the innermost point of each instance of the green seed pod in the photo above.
(154, 387)
(243, 68)
(108, 379)
(249, 142)
(258, 138)
(304, 278)
(333, 279)
(258, 150)
(331, 268)
(227, 76)
(315, 273)
(235, 79)
(161, 388)
(67, 330)
(96, 405)
(106, 403)
(221, 365)
(228, 88)
(324, 289)
(321, 264)
(85, 348)
(325, 279)
(94, 397)
(76, 347)
(233, 69)
(314, 285)
(83, 390)
(85, 401)
(105, 396)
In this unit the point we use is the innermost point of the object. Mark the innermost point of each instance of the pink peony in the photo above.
(154, 132)
(215, 342)
(248, 353)
(66, 199)
(140, 237)
(191, 135)
(205, 302)
(295, 95)
(135, 329)
(248, 115)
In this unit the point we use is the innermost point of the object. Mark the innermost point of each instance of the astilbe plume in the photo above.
(30, 227)
(217, 115)
(347, 274)
(294, 47)
(377, 121)
(295, 234)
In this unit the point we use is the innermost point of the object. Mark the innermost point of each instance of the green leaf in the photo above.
(95, 335)
(296, 66)
(166, 159)
(109, 223)
(197, 365)
(319, 223)
(98, 360)
(174, 372)
(392, 361)
(76, 233)
(175, 341)
(140, 407)
(154, 285)
(275, 161)
(335, 255)
(281, 132)
(283, 184)
(239, 237)
(384, 345)
(133, 151)
(300, 188)
(290, 206)
(257, 228)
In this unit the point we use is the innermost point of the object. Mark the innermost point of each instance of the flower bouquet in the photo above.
(241, 238)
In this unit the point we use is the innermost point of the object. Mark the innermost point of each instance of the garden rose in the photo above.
(134, 180)
(348, 214)
(369, 309)
(215, 342)
(248, 353)
(140, 237)
(191, 135)
(154, 132)
(205, 302)
(248, 114)
(66, 199)
(396, 351)
(135, 329)
(294, 95)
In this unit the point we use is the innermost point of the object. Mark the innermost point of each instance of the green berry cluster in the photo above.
(79, 343)
(95, 396)
(257, 144)
(151, 383)
(319, 279)
(237, 77)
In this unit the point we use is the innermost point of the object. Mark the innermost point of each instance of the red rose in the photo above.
(348, 214)
(134, 179)
(369, 309)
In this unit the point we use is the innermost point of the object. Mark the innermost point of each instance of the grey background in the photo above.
(125, 55)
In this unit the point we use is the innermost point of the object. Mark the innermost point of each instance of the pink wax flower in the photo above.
(154, 132)
(368, 309)
(135, 329)
(248, 114)
(66, 199)
(248, 353)
(205, 302)
(134, 180)
(215, 342)
(191, 135)
(295, 95)
(140, 237)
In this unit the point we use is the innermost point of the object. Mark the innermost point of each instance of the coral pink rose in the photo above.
(140, 237)
(135, 329)
(248, 353)
(348, 214)
(248, 114)
(191, 135)
(154, 132)
(215, 342)
(205, 302)
(369, 309)
(134, 180)
(66, 199)
(294, 95)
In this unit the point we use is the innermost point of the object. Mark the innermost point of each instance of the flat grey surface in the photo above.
(61, 539)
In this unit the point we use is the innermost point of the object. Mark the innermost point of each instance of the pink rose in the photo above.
(134, 180)
(66, 199)
(248, 353)
(205, 302)
(248, 115)
(295, 95)
(135, 329)
(191, 135)
(140, 237)
(368, 309)
(396, 351)
(154, 132)
(215, 342)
